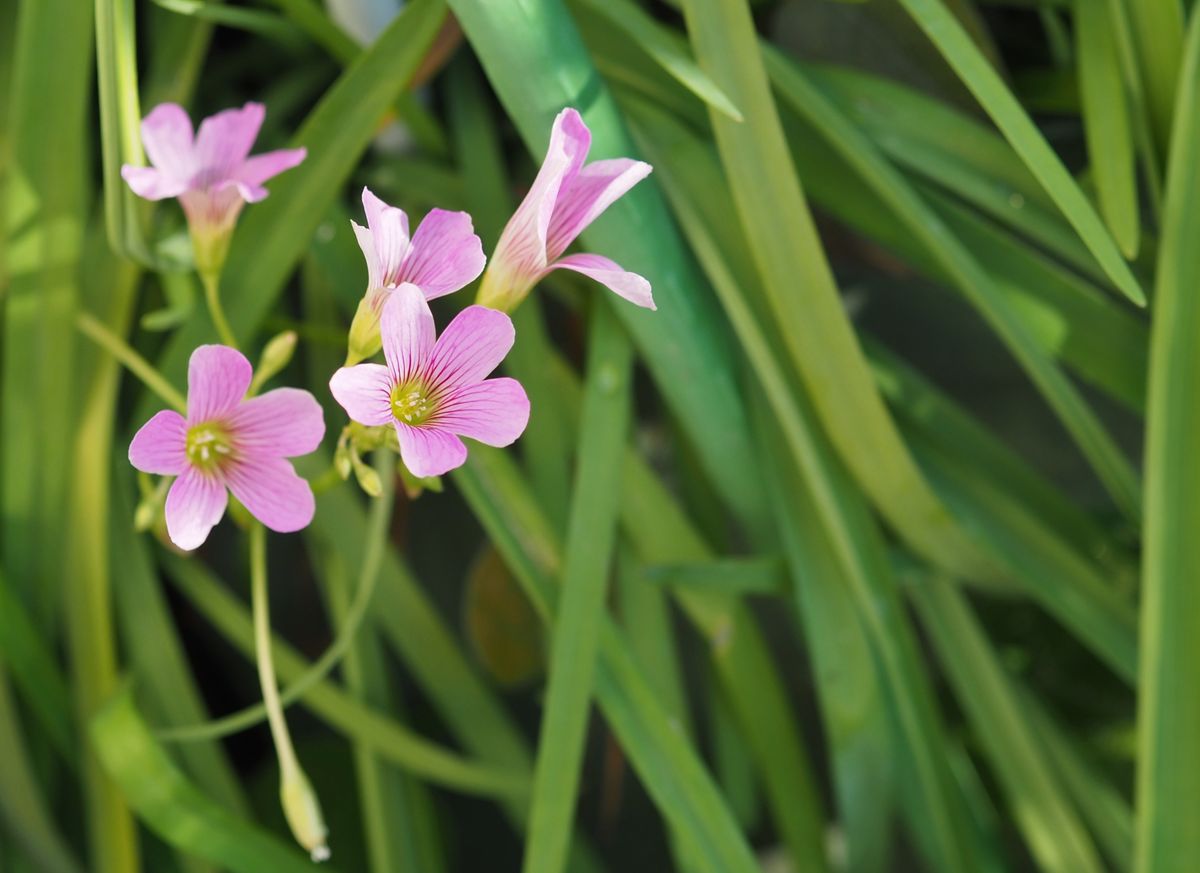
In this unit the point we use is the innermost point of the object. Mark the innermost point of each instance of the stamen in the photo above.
(412, 403)
(208, 445)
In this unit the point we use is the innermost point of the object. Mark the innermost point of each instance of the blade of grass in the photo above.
(944, 31)
(536, 62)
(1107, 123)
(174, 808)
(955, 259)
(1156, 27)
(1168, 765)
(787, 251)
(591, 535)
(739, 576)
(1048, 821)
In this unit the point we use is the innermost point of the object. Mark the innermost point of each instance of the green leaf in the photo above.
(1048, 821)
(993, 95)
(1107, 123)
(174, 808)
(1157, 27)
(1168, 781)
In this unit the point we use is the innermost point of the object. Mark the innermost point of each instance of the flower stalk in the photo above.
(301, 807)
(212, 296)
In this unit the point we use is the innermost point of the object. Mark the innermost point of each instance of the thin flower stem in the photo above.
(135, 363)
(300, 805)
(212, 294)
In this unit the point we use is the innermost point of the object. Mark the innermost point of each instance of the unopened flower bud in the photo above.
(276, 355)
(303, 813)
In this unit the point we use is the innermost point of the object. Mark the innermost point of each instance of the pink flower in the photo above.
(441, 257)
(227, 441)
(212, 174)
(565, 198)
(435, 392)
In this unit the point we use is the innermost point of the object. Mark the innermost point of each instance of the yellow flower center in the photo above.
(208, 445)
(411, 403)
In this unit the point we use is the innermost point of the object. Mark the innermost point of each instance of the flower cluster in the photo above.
(431, 390)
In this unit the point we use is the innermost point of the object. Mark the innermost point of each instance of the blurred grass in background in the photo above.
(892, 503)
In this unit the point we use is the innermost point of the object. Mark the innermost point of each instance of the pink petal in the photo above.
(160, 445)
(167, 136)
(366, 242)
(631, 286)
(218, 377)
(494, 412)
(152, 184)
(470, 347)
(258, 169)
(445, 254)
(274, 494)
(388, 231)
(224, 142)
(406, 329)
(283, 423)
(521, 251)
(195, 503)
(587, 195)
(429, 451)
(365, 392)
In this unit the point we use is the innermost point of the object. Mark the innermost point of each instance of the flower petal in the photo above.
(631, 286)
(195, 504)
(366, 242)
(582, 199)
(283, 423)
(258, 169)
(152, 184)
(406, 329)
(494, 411)
(388, 228)
(521, 251)
(274, 494)
(167, 136)
(160, 445)
(218, 377)
(224, 142)
(365, 392)
(429, 451)
(470, 347)
(445, 254)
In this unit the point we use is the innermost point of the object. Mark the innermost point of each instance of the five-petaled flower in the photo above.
(212, 173)
(441, 257)
(435, 390)
(228, 441)
(565, 198)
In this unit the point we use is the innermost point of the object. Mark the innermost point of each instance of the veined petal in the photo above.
(152, 184)
(445, 254)
(283, 423)
(631, 286)
(407, 332)
(195, 504)
(274, 494)
(583, 198)
(365, 392)
(160, 445)
(224, 141)
(429, 451)
(388, 227)
(494, 411)
(167, 137)
(218, 377)
(470, 347)
(520, 254)
(366, 242)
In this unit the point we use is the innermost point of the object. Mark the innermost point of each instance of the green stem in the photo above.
(135, 363)
(212, 294)
(300, 804)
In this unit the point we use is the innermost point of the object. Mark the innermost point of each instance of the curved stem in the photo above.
(376, 543)
(135, 363)
(212, 294)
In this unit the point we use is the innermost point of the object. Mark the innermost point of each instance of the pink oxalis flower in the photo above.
(212, 173)
(441, 257)
(229, 442)
(435, 390)
(566, 197)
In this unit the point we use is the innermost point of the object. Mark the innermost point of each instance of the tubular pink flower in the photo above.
(441, 257)
(229, 442)
(212, 173)
(435, 390)
(566, 197)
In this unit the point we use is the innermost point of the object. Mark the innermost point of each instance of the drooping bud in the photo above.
(303, 813)
(276, 355)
